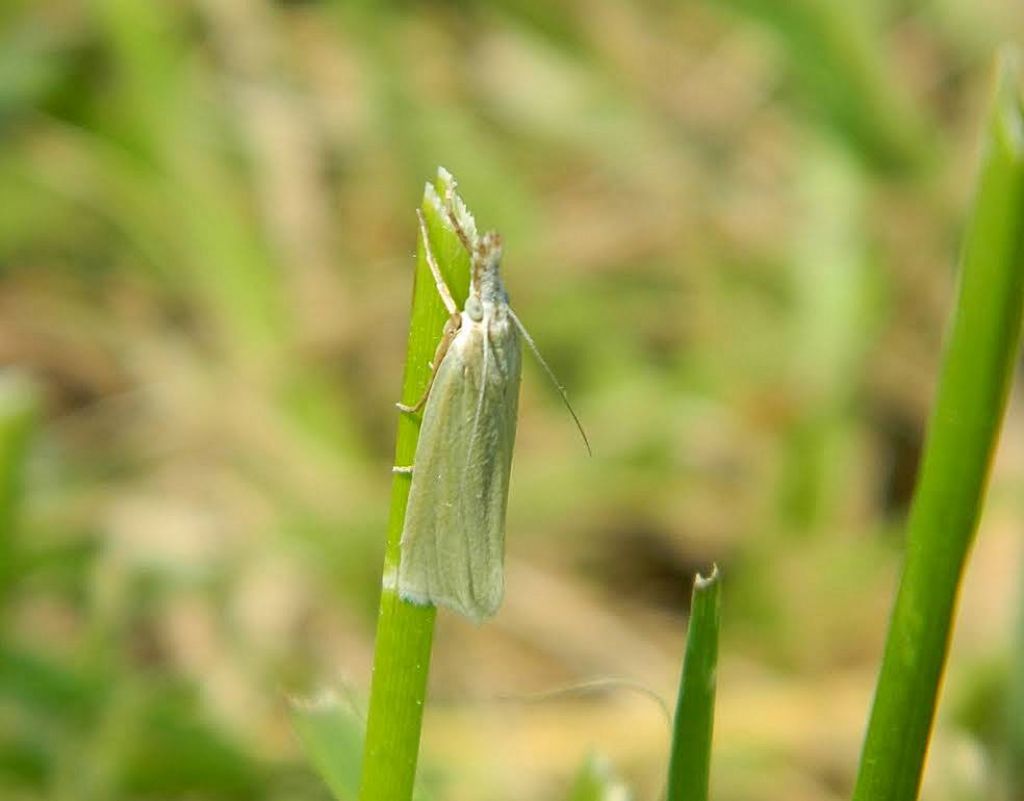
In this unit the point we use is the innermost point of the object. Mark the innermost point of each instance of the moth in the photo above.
(453, 540)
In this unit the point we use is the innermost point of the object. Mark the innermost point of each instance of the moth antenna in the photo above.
(554, 379)
(598, 685)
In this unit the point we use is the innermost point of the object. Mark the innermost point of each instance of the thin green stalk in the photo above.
(405, 631)
(973, 386)
(17, 420)
(693, 725)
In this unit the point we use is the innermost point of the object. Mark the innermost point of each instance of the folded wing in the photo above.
(453, 541)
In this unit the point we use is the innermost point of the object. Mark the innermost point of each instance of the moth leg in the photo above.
(442, 287)
(451, 328)
(405, 471)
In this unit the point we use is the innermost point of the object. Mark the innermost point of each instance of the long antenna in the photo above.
(551, 375)
(581, 688)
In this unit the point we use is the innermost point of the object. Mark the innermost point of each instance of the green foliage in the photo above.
(728, 226)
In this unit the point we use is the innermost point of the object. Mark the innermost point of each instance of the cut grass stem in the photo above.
(405, 631)
(690, 760)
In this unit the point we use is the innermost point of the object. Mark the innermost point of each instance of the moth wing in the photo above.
(424, 573)
(454, 535)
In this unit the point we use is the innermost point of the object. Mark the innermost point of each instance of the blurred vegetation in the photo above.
(732, 229)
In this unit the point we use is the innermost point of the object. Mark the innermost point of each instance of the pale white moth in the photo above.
(453, 540)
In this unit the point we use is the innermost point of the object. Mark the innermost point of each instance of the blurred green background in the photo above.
(732, 229)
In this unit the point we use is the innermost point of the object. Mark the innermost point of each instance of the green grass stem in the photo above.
(405, 631)
(17, 421)
(973, 386)
(692, 728)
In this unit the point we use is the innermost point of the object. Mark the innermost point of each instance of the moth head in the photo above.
(489, 250)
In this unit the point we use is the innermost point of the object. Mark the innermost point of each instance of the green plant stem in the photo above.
(17, 421)
(404, 630)
(973, 386)
(693, 724)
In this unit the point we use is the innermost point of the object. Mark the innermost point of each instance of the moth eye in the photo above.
(474, 309)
